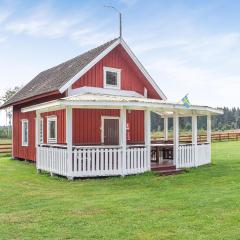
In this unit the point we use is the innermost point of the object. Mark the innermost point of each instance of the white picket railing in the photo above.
(193, 156)
(136, 160)
(93, 161)
(52, 159)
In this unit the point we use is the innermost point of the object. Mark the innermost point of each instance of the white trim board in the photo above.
(103, 91)
(102, 55)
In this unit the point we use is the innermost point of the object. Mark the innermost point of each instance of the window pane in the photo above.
(111, 78)
(25, 132)
(52, 129)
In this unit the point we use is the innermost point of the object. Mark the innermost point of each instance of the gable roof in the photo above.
(62, 76)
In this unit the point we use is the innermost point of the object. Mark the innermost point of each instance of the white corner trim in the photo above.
(89, 66)
(115, 70)
(143, 70)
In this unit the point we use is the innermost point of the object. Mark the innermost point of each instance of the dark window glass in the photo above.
(52, 126)
(111, 78)
(25, 134)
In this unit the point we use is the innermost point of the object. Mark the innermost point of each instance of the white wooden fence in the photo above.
(193, 156)
(52, 159)
(93, 161)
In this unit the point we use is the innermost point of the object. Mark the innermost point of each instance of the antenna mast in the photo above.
(120, 18)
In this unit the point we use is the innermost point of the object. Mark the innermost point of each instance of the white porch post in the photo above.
(37, 128)
(209, 129)
(194, 139)
(37, 137)
(175, 138)
(123, 138)
(147, 136)
(165, 131)
(69, 142)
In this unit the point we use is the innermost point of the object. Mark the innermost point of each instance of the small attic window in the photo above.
(112, 77)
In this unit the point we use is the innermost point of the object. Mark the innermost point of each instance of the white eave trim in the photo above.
(103, 91)
(102, 55)
(62, 103)
(89, 66)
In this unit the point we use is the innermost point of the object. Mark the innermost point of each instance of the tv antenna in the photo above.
(120, 18)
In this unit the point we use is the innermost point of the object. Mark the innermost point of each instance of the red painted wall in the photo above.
(18, 150)
(61, 125)
(131, 77)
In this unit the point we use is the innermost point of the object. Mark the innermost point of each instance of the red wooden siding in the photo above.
(131, 77)
(29, 152)
(135, 120)
(61, 125)
(18, 150)
(87, 124)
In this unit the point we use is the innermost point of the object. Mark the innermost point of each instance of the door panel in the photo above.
(111, 132)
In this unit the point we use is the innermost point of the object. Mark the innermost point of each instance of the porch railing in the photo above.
(193, 156)
(93, 161)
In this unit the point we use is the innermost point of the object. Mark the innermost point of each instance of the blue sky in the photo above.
(187, 46)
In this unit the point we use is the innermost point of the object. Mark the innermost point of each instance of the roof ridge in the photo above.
(80, 55)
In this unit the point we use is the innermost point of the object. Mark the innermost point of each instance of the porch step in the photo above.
(165, 169)
(169, 172)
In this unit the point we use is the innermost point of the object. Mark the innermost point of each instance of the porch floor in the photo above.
(165, 168)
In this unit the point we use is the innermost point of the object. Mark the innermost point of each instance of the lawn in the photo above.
(201, 204)
(5, 141)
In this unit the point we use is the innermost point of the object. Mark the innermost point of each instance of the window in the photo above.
(52, 129)
(41, 131)
(112, 77)
(25, 133)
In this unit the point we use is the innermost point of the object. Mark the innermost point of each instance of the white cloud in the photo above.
(3, 39)
(129, 2)
(4, 14)
(42, 27)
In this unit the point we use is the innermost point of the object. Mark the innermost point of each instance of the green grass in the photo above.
(5, 141)
(201, 204)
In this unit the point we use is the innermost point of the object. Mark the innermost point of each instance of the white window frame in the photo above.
(102, 127)
(115, 70)
(25, 143)
(51, 119)
(41, 131)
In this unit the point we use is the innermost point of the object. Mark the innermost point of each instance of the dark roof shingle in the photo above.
(54, 78)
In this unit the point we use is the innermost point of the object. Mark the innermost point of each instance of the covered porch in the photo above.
(121, 158)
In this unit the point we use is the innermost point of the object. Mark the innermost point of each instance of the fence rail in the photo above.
(193, 156)
(216, 137)
(6, 148)
(94, 161)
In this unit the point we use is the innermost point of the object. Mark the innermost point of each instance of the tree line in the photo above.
(230, 120)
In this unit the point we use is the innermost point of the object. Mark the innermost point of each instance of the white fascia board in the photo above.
(88, 67)
(142, 105)
(103, 91)
(143, 70)
(39, 107)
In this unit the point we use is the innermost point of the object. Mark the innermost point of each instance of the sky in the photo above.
(187, 46)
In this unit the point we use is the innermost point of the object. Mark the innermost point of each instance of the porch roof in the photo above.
(163, 107)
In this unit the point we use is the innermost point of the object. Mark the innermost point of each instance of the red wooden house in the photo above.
(90, 116)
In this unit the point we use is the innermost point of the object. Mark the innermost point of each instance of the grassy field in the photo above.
(201, 204)
(5, 141)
